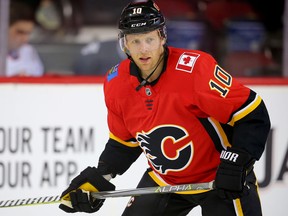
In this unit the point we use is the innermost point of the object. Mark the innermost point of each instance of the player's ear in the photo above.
(127, 51)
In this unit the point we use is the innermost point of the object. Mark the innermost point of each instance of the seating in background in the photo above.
(250, 64)
(58, 58)
(245, 51)
(189, 34)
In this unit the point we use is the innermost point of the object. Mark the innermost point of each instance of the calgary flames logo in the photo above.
(167, 147)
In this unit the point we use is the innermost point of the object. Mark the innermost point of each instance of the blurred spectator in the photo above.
(60, 16)
(47, 15)
(22, 58)
(97, 57)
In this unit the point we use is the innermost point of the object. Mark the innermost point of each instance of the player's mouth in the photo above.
(144, 60)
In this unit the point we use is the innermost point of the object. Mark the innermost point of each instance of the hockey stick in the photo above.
(153, 190)
(113, 194)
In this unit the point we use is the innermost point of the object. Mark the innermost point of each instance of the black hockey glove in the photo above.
(76, 198)
(230, 181)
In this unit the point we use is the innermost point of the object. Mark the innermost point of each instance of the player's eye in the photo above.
(149, 40)
(135, 41)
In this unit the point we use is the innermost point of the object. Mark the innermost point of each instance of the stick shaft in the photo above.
(153, 190)
(112, 194)
(29, 201)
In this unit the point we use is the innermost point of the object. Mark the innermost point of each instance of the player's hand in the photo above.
(230, 181)
(76, 198)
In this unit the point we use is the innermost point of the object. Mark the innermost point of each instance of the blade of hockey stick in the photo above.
(112, 194)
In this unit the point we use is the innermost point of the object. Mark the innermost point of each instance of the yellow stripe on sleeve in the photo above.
(129, 144)
(221, 134)
(246, 110)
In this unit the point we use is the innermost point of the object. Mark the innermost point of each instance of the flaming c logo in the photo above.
(167, 147)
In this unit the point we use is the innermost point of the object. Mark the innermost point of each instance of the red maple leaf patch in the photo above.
(187, 60)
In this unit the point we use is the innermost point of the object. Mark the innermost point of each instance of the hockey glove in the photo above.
(76, 198)
(230, 181)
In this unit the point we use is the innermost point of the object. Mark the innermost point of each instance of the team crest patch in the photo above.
(113, 72)
(186, 62)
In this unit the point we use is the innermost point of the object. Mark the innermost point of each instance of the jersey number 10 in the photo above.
(222, 83)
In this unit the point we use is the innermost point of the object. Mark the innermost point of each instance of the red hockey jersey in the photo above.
(183, 120)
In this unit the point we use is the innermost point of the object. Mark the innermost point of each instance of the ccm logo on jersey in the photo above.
(186, 62)
(231, 156)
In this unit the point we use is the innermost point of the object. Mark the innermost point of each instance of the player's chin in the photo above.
(142, 63)
(145, 67)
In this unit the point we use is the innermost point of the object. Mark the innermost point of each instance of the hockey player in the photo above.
(193, 121)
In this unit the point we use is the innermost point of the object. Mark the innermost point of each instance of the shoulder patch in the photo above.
(186, 62)
(112, 73)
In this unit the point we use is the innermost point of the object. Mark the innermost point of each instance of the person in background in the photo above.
(22, 57)
(192, 120)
